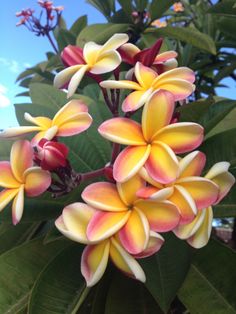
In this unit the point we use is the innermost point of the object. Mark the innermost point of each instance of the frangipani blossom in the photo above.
(198, 232)
(71, 119)
(19, 176)
(189, 192)
(178, 7)
(73, 223)
(177, 81)
(94, 58)
(119, 210)
(154, 143)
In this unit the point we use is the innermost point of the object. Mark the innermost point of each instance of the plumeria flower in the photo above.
(119, 210)
(71, 119)
(177, 81)
(189, 192)
(73, 224)
(158, 23)
(154, 142)
(94, 58)
(51, 155)
(198, 232)
(178, 7)
(149, 57)
(19, 176)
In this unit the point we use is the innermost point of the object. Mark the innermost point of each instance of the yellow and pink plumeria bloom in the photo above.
(19, 176)
(154, 142)
(71, 119)
(95, 59)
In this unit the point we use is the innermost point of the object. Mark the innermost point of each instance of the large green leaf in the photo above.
(100, 33)
(19, 268)
(189, 35)
(159, 7)
(209, 286)
(227, 26)
(65, 38)
(60, 286)
(130, 297)
(166, 270)
(106, 7)
(78, 25)
(226, 7)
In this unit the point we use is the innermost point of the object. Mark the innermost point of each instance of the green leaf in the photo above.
(209, 286)
(104, 6)
(100, 33)
(225, 72)
(130, 297)
(78, 25)
(65, 38)
(189, 35)
(220, 147)
(126, 6)
(60, 285)
(19, 268)
(159, 7)
(227, 26)
(166, 270)
(226, 7)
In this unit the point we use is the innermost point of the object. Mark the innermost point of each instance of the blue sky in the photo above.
(21, 49)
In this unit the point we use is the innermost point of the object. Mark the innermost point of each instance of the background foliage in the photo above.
(39, 269)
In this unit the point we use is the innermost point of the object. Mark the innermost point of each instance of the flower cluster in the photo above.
(153, 184)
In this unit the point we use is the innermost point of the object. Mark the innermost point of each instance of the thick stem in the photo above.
(52, 43)
(115, 152)
(91, 175)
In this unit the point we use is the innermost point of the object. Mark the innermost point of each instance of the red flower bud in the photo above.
(51, 155)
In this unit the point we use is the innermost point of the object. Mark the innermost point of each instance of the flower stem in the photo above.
(51, 42)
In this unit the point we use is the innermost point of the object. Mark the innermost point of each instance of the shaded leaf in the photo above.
(79, 24)
(159, 7)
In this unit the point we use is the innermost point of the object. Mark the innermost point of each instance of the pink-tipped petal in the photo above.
(157, 113)
(65, 75)
(75, 125)
(120, 85)
(153, 193)
(192, 164)
(185, 204)
(104, 196)
(162, 164)
(123, 131)
(128, 190)
(74, 221)
(125, 262)
(181, 137)
(203, 191)
(21, 158)
(154, 245)
(180, 89)
(135, 100)
(134, 235)
(6, 196)
(144, 75)
(219, 175)
(104, 224)
(7, 179)
(94, 262)
(36, 181)
(146, 176)
(129, 162)
(162, 216)
(164, 56)
(182, 73)
(127, 52)
(18, 206)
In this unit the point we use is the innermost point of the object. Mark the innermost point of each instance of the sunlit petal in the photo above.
(203, 191)
(128, 189)
(154, 244)
(115, 42)
(21, 158)
(104, 196)
(182, 73)
(181, 137)
(192, 164)
(162, 216)
(164, 56)
(75, 125)
(157, 113)
(144, 75)
(91, 51)
(6, 196)
(130, 161)
(185, 204)
(7, 179)
(136, 100)
(122, 131)
(120, 84)
(36, 181)
(43, 122)
(162, 163)
(65, 75)
(104, 224)
(125, 262)
(94, 262)
(181, 89)
(108, 62)
(18, 131)
(76, 79)
(18, 206)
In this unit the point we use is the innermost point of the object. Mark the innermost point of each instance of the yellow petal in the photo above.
(120, 85)
(136, 99)
(107, 62)
(6, 196)
(43, 122)
(19, 131)
(128, 189)
(91, 51)
(65, 75)
(36, 181)
(76, 79)
(115, 42)
(144, 75)
(7, 179)
(192, 164)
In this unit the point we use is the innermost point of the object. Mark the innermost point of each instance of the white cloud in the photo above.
(4, 100)
(13, 65)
